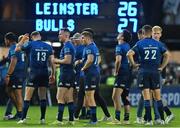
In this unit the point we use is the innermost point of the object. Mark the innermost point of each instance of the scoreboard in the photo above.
(103, 16)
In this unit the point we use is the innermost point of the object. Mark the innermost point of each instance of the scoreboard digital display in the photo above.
(51, 15)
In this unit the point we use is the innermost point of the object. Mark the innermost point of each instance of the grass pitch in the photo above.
(34, 115)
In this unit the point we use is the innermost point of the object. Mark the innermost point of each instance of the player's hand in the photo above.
(163, 81)
(7, 79)
(77, 62)
(51, 79)
(18, 48)
(82, 73)
(136, 66)
(25, 38)
(160, 69)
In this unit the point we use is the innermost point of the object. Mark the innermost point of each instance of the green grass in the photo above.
(34, 115)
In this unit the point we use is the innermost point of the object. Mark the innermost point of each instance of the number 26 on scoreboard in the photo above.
(127, 13)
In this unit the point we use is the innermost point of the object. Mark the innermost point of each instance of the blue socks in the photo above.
(126, 116)
(160, 109)
(60, 111)
(93, 113)
(25, 108)
(147, 110)
(117, 115)
(83, 111)
(43, 108)
(71, 111)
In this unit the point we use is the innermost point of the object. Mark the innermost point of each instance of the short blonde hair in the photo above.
(157, 28)
(20, 37)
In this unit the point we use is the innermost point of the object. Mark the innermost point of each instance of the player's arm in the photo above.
(12, 65)
(53, 69)
(90, 59)
(165, 61)
(99, 59)
(10, 69)
(21, 42)
(78, 62)
(66, 60)
(130, 57)
(117, 64)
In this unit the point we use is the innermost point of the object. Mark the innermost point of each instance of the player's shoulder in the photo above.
(162, 44)
(12, 47)
(79, 47)
(118, 47)
(138, 43)
(90, 47)
(126, 45)
(82, 46)
(68, 44)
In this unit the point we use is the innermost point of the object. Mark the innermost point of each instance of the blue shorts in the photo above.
(16, 82)
(149, 80)
(122, 81)
(91, 81)
(38, 79)
(66, 80)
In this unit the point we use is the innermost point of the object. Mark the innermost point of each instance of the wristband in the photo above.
(8, 74)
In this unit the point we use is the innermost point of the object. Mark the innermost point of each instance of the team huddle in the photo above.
(78, 63)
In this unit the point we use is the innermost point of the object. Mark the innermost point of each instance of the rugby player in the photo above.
(15, 74)
(156, 34)
(66, 78)
(79, 80)
(150, 66)
(122, 74)
(39, 55)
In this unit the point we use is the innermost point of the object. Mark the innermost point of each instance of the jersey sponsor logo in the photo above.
(118, 49)
(30, 83)
(77, 88)
(67, 84)
(75, 83)
(158, 85)
(19, 86)
(122, 85)
(141, 85)
(66, 50)
(88, 51)
(93, 86)
(12, 52)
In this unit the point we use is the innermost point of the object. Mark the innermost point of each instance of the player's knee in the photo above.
(69, 99)
(125, 101)
(90, 100)
(115, 98)
(42, 96)
(27, 97)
